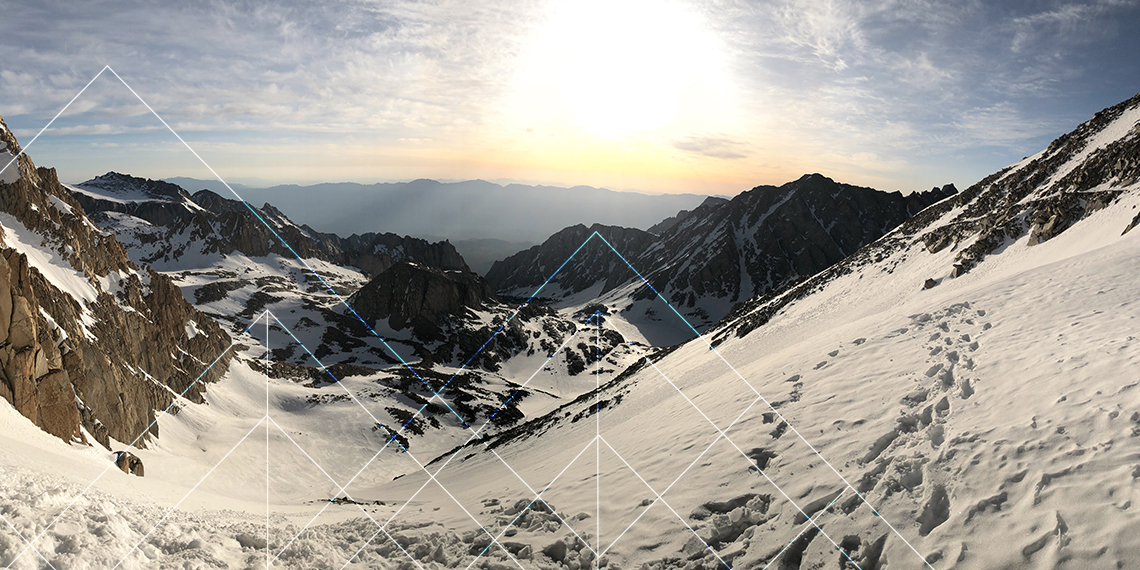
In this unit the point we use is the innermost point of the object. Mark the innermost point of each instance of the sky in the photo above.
(701, 96)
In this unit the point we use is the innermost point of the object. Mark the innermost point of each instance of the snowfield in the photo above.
(990, 422)
(950, 397)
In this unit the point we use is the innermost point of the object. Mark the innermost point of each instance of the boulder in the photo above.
(556, 551)
(930, 284)
(130, 464)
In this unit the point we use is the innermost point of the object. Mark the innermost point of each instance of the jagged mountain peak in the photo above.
(133, 188)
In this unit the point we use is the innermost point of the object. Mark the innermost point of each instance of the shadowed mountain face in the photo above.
(723, 252)
(409, 294)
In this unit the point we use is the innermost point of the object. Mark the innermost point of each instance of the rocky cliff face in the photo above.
(206, 223)
(410, 294)
(451, 314)
(722, 252)
(88, 339)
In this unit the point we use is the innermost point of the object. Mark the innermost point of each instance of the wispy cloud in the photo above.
(1077, 22)
(714, 147)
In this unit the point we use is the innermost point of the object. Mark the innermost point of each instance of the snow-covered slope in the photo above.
(987, 422)
(234, 263)
(857, 420)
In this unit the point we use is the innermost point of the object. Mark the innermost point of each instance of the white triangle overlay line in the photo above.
(679, 477)
(342, 490)
(21, 535)
(777, 412)
(645, 282)
(191, 491)
(662, 500)
(536, 498)
(744, 455)
(408, 453)
(391, 439)
(475, 433)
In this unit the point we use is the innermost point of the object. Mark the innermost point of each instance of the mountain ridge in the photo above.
(1039, 198)
(722, 252)
(465, 210)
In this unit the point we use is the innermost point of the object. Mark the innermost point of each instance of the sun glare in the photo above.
(620, 66)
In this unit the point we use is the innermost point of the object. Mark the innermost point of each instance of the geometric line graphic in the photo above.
(110, 464)
(597, 549)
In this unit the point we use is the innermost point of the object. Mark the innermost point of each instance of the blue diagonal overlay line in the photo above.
(408, 366)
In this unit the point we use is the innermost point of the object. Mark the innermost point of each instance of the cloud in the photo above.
(713, 147)
(885, 84)
(405, 66)
(1077, 22)
(1001, 124)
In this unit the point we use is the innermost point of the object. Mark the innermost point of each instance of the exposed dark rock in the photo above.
(729, 250)
(556, 551)
(411, 294)
(930, 284)
(1135, 222)
(129, 463)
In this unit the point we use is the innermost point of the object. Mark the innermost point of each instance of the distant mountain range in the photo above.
(473, 211)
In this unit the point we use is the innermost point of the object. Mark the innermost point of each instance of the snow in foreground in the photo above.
(993, 421)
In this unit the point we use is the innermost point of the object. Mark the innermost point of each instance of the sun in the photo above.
(616, 67)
